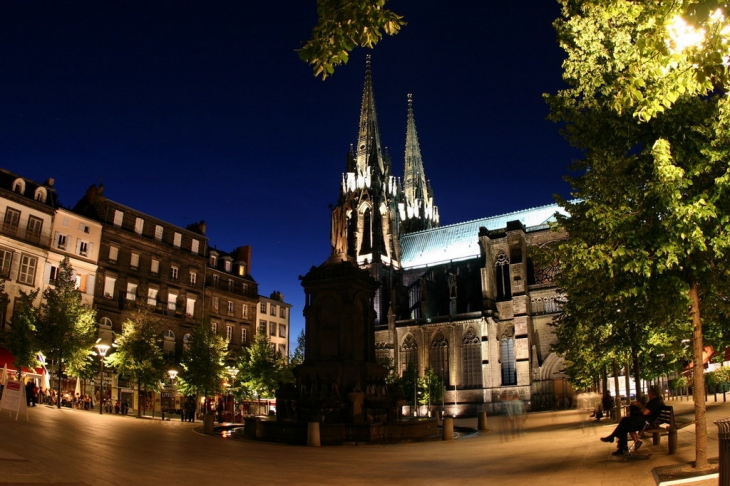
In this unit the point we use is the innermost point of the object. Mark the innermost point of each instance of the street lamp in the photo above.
(172, 373)
(101, 348)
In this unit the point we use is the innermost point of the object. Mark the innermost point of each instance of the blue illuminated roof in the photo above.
(461, 241)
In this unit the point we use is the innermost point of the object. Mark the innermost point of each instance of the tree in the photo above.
(645, 102)
(138, 352)
(20, 338)
(65, 327)
(430, 388)
(343, 25)
(261, 367)
(298, 357)
(203, 362)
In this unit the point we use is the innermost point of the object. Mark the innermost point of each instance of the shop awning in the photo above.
(8, 360)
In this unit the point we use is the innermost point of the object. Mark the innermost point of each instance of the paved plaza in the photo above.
(557, 448)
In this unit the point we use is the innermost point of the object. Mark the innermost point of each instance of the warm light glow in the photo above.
(172, 373)
(102, 348)
(682, 35)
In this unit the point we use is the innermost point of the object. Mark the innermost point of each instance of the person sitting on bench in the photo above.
(639, 414)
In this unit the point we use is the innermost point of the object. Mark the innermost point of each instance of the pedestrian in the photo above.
(117, 406)
(638, 415)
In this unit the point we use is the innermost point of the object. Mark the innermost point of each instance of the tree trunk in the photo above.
(60, 377)
(139, 398)
(637, 375)
(698, 375)
(616, 401)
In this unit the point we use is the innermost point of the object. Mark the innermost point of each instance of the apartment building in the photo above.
(272, 317)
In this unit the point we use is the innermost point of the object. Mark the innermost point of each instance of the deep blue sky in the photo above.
(202, 110)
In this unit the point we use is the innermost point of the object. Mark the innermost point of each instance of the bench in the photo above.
(666, 417)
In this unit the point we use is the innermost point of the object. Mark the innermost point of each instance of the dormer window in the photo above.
(40, 194)
(213, 260)
(227, 265)
(19, 186)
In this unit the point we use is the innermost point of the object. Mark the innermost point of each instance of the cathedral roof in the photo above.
(461, 241)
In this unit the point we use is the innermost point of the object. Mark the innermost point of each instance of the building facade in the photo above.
(231, 296)
(467, 299)
(272, 316)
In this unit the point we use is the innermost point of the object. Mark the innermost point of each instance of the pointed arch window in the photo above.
(367, 232)
(501, 273)
(509, 370)
(408, 354)
(471, 357)
(439, 357)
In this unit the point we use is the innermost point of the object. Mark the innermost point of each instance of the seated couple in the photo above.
(638, 415)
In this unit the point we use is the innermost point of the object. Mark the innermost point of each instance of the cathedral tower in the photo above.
(418, 211)
(365, 222)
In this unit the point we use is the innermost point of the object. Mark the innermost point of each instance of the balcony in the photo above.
(21, 231)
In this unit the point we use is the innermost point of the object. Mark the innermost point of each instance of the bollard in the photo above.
(313, 434)
(448, 429)
(482, 421)
(208, 426)
(723, 426)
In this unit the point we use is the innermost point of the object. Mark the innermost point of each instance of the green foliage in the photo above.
(389, 364)
(138, 352)
(65, 329)
(650, 231)
(343, 25)
(261, 367)
(679, 383)
(20, 339)
(430, 388)
(204, 362)
(298, 357)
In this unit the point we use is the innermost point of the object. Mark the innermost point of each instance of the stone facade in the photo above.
(467, 299)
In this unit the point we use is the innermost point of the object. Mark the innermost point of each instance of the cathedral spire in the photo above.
(369, 152)
(418, 213)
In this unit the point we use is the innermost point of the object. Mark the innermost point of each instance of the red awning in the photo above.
(7, 360)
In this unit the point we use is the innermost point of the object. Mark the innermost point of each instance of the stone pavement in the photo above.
(556, 448)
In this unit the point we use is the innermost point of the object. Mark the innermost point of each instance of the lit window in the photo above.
(118, 217)
(155, 267)
(174, 272)
(193, 278)
(229, 333)
(213, 260)
(244, 310)
(230, 308)
(194, 247)
(158, 232)
(227, 265)
(109, 283)
(131, 291)
(171, 301)
(28, 265)
(152, 296)
(134, 261)
(138, 226)
(113, 254)
(190, 307)
(177, 240)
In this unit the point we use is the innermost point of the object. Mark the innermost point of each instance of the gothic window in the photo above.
(439, 357)
(471, 356)
(408, 354)
(504, 287)
(509, 371)
(547, 273)
(382, 354)
(367, 233)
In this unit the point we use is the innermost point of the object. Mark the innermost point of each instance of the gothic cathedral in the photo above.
(464, 299)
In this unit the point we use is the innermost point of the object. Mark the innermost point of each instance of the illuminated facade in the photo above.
(272, 316)
(465, 299)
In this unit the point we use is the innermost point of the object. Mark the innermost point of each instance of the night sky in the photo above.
(194, 111)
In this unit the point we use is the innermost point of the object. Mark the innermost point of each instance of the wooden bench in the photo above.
(666, 417)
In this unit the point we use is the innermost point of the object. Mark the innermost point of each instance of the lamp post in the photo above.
(172, 373)
(102, 349)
